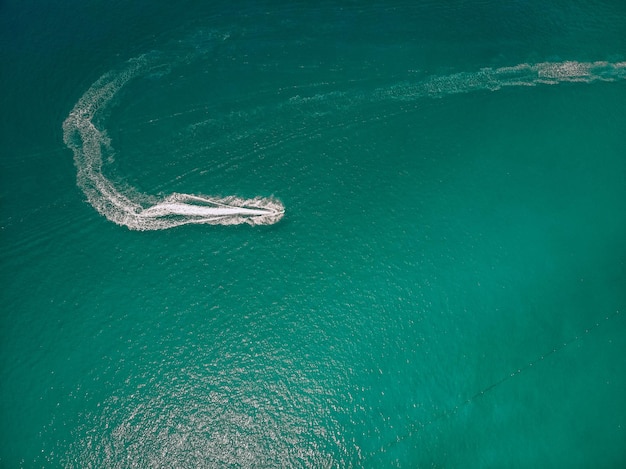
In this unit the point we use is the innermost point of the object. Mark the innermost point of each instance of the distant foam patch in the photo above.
(493, 79)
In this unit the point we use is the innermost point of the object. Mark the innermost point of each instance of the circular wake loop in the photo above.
(129, 209)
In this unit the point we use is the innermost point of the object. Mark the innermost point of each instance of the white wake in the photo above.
(140, 212)
(87, 142)
(493, 79)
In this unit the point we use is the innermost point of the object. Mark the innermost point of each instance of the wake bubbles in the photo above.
(134, 210)
(493, 79)
(140, 212)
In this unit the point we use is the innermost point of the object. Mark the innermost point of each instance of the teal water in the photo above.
(446, 288)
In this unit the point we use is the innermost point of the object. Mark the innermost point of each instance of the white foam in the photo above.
(493, 79)
(133, 210)
(82, 136)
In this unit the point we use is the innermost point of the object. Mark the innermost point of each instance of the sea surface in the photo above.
(446, 287)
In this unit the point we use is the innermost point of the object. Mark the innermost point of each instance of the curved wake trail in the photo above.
(134, 211)
(139, 212)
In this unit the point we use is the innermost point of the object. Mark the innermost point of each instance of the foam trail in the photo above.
(139, 212)
(134, 211)
(493, 79)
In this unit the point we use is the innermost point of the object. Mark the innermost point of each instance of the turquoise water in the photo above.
(446, 287)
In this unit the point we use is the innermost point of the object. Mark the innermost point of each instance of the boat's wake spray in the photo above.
(141, 212)
(137, 211)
